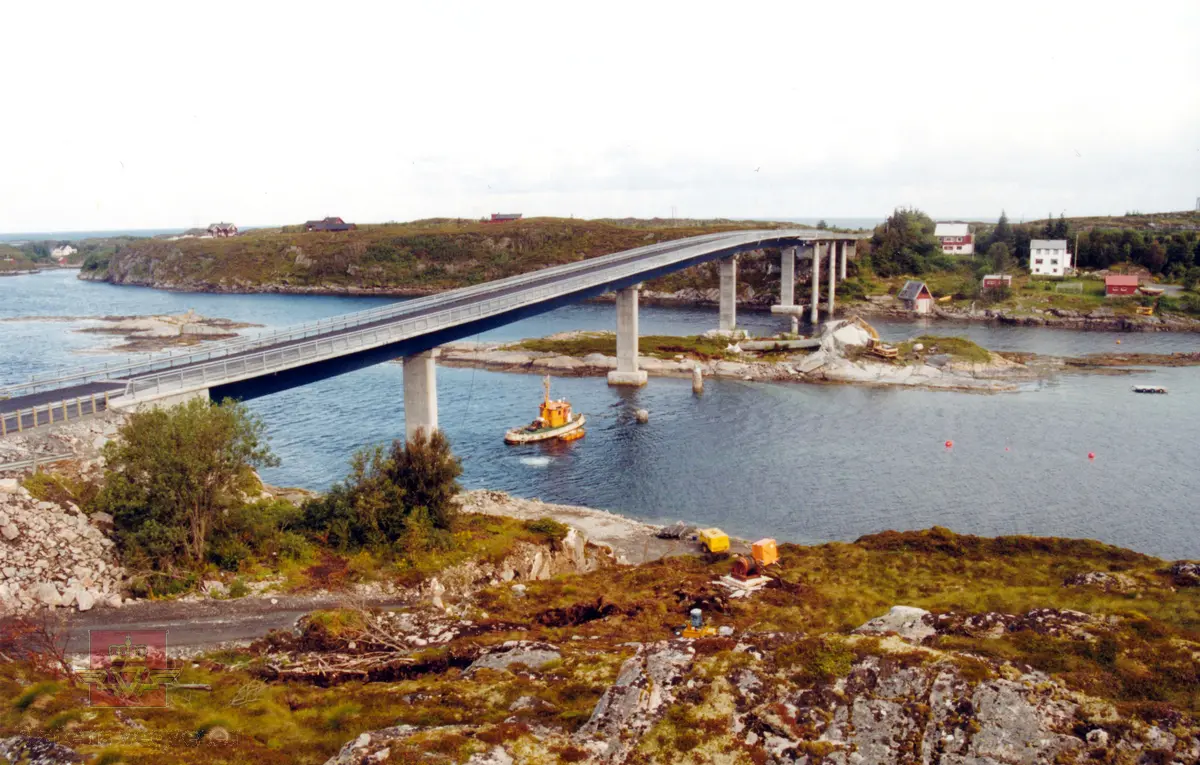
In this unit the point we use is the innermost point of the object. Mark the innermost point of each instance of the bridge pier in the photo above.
(420, 394)
(847, 249)
(816, 283)
(787, 285)
(627, 372)
(728, 306)
(834, 247)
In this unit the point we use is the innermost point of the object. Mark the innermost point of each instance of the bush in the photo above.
(402, 497)
(171, 477)
(550, 529)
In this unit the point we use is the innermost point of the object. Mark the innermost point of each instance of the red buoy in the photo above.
(1091, 455)
(949, 444)
(1006, 448)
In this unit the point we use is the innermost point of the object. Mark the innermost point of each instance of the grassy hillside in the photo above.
(423, 256)
(12, 259)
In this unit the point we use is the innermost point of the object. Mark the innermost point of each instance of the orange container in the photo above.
(765, 552)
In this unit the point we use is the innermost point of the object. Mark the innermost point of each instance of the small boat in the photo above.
(555, 420)
(1151, 291)
(1148, 389)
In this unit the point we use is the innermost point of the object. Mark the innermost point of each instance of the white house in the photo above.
(1049, 257)
(956, 238)
(62, 253)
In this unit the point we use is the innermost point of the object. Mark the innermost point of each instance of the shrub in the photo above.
(171, 476)
(401, 497)
(549, 528)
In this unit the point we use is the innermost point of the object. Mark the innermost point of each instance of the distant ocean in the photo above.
(74, 236)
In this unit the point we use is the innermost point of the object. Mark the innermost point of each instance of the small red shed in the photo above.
(915, 296)
(996, 281)
(1119, 285)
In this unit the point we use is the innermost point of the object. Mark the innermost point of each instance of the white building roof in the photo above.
(1048, 244)
(951, 229)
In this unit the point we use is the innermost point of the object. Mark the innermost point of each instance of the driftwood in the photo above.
(336, 667)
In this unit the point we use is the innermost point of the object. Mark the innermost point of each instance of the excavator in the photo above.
(875, 346)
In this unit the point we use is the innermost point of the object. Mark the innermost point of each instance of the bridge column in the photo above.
(816, 282)
(787, 285)
(728, 308)
(847, 248)
(627, 372)
(787, 276)
(833, 251)
(420, 394)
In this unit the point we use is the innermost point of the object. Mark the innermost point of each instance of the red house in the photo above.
(1118, 285)
(996, 281)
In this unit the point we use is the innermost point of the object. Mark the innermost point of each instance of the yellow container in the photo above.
(765, 552)
(714, 540)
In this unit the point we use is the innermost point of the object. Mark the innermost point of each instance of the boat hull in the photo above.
(523, 436)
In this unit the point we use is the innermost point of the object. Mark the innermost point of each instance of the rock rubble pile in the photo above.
(52, 556)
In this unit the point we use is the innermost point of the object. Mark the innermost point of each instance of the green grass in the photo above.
(960, 348)
(659, 346)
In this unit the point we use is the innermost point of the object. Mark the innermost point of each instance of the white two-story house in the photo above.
(955, 238)
(1049, 257)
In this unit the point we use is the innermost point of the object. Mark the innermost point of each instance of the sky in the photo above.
(161, 115)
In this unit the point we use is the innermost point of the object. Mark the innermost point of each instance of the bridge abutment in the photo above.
(627, 372)
(728, 304)
(420, 394)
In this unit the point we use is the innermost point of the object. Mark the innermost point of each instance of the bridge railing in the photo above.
(117, 370)
(277, 359)
(50, 413)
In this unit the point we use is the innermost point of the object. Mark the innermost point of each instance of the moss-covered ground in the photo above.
(1147, 665)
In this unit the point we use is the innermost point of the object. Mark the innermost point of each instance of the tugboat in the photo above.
(555, 420)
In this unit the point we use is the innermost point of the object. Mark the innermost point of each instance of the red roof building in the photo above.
(1118, 285)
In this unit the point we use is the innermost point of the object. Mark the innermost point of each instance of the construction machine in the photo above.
(875, 346)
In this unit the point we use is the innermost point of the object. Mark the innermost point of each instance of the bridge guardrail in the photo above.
(44, 414)
(232, 370)
(320, 326)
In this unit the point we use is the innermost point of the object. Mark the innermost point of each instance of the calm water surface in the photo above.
(800, 462)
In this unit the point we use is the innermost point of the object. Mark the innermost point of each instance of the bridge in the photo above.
(274, 361)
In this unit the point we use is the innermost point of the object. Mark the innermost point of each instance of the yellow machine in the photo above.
(714, 540)
(1145, 310)
(696, 628)
(876, 346)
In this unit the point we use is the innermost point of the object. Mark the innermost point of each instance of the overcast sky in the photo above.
(175, 114)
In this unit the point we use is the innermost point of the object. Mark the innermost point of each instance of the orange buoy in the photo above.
(949, 444)
(1118, 342)
(1091, 455)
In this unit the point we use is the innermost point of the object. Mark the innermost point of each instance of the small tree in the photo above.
(426, 472)
(1000, 257)
(172, 472)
